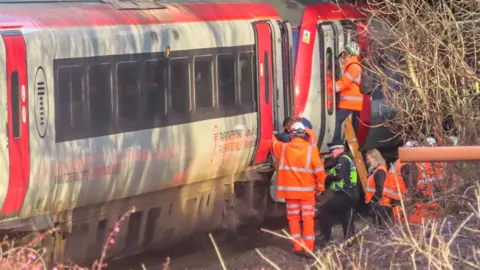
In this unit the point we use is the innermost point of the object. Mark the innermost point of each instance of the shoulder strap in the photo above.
(360, 65)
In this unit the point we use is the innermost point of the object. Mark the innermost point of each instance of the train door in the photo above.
(264, 54)
(285, 98)
(17, 121)
(328, 52)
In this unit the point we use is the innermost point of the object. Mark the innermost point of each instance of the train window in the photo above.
(203, 82)
(70, 97)
(180, 85)
(246, 77)
(154, 85)
(330, 81)
(226, 79)
(15, 101)
(266, 67)
(128, 92)
(100, 96)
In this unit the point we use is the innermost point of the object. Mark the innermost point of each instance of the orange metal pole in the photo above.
(444, 153)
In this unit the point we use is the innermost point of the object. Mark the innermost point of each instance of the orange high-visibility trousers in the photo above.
(423, 211)
(307, 210)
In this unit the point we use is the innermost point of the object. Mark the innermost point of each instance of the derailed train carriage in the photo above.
(169, 107)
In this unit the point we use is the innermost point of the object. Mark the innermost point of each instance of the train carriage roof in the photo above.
(290, 10)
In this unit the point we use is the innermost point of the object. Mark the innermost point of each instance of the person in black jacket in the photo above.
(338, 202)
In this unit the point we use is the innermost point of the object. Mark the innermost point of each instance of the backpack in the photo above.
(369, 79)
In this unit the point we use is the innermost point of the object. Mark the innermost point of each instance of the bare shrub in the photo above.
(425, 55)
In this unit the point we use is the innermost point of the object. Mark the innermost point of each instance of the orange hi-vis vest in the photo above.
(312, 138)
(300, 172)
(349, 86)
(431, 175)
(371, 188)
(394, 177)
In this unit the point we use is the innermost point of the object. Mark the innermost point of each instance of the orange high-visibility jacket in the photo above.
(300, 172)
(312, 138)
(371, 187)
(349, 85)
(431, 175)
(394, 176)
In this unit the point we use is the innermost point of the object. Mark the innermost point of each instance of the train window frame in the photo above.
(123, 120)
(165, 87)
(235, 79)
(253, 81)
(111, 119)
(63, 128)
(171, 109)
(210, 59)
(331, 109)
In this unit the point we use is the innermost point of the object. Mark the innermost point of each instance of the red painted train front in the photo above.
(168, 107)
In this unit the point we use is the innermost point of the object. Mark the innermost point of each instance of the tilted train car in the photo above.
(109, 104)
(320, 29)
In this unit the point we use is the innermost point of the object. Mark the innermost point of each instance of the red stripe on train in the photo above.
(78, 15)
(18, 148)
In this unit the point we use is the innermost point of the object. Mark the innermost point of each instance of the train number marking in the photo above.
(24, 114)
(306, 36)
(24, 94)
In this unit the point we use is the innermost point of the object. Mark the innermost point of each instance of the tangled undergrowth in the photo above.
(30, 257)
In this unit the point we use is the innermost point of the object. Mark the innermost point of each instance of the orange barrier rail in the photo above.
(444, 153)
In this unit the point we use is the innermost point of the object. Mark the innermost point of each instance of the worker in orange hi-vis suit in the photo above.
(301, 176)
(430, 179)
(406, 175)
(351, 97)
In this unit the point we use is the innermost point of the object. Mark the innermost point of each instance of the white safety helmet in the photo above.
(454, 139)
(297, 129)
(431, 141)
(352, 48)
(411, 143)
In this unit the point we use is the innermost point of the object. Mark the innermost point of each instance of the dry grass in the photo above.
(452, 242)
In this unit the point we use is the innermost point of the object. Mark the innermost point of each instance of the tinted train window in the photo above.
(100, 96)
(226, 79)
(70, 97)
(154, 86)
(246, 77)
(330, 81)
(128, 93)
(203, 82)
(179, 85)
(15, 96)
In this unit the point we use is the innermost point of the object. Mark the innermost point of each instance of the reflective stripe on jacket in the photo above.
(394, 176)
(300, 172)
(349, 86)
(371, 187)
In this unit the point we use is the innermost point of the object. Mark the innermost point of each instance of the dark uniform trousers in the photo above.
(337, 206)
(382, 215)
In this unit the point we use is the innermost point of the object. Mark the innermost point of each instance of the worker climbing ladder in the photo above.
(355, 150)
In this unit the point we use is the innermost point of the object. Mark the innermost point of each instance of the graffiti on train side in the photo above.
(231, 141)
